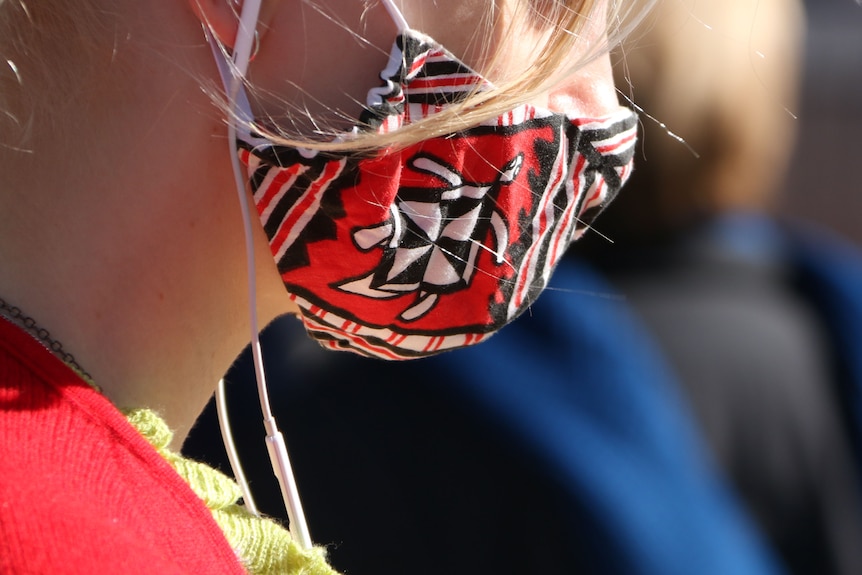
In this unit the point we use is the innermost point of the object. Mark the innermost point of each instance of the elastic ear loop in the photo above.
(396, 15)
(274, 439)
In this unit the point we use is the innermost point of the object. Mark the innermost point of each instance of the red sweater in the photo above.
(80, 490)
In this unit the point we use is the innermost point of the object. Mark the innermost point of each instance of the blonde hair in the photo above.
(56, 32)
(567, 47)
(47, 55)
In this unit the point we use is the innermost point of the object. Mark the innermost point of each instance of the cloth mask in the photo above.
(412, 251)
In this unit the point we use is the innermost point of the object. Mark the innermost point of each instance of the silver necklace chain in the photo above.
(19, 318)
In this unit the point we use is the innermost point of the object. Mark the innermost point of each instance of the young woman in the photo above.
(488, 141)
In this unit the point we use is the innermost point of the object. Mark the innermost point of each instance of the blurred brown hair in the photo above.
(723, 76)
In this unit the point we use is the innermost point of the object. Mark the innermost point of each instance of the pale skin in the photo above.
(121, 234)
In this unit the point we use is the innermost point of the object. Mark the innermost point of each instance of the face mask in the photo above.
(414, 251)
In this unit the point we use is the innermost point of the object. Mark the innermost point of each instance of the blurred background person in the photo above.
(639, 418)
(742, 304)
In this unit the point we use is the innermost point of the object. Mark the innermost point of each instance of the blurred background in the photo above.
(822, 185)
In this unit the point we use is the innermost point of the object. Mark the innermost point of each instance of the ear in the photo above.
(220, 16)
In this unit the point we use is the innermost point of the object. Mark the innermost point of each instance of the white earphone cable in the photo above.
(275, 443)
(233, 73)
(230, 448)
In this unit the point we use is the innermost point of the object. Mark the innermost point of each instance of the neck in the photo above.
(129, 247)
(152, 324)
(142, 345)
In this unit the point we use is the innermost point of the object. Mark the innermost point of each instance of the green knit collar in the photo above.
(263, 546)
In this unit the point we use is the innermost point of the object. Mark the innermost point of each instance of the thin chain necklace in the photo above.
(28, 324)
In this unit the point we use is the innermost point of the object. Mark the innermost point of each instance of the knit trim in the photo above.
(263, 546)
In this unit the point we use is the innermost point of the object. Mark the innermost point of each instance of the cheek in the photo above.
(464, 27)
(590, 92)
(317, 62)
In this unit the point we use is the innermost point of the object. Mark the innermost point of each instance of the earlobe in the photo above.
(220, 16)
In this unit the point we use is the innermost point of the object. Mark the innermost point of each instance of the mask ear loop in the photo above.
(396, 15)
(233, 72)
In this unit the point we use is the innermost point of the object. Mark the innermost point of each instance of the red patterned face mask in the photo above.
(414, 251)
